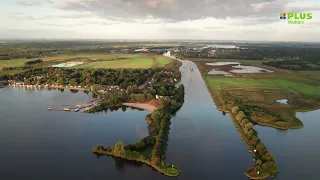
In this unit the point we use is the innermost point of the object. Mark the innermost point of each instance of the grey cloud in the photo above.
(214, 27)
(22, 17)
(69, 16)
(34, 2)
(60, 25)
(102, 23)
(49, 1)
(29, 3)
(181, 10)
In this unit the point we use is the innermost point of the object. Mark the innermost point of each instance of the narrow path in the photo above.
(154, 60)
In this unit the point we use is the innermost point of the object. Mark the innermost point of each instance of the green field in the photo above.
(21, 61)
(162, 61)
(13, 63)
(136, 62)
(297, 86)
(312, 74)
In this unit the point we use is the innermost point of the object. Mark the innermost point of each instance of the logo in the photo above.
(296, 18)
(283, 16)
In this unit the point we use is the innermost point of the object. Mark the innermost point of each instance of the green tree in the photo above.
(258, 162)
(235, 110)
(248, 126)
(156, 115)
(260, 147)
(119, 149)
(61, 81)
(240, 116)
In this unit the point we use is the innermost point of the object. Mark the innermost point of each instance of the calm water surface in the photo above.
(297, 150)
(38, 144)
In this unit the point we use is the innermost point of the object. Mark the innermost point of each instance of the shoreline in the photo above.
(145, 106)
(46, 87)
(147, 162)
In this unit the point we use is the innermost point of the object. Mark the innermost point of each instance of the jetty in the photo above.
(77, 108)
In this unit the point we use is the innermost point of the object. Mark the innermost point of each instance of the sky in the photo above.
(250, 20)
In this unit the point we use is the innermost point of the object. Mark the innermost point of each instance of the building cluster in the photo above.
(110, 89)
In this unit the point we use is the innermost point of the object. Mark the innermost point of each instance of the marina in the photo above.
(77, 108)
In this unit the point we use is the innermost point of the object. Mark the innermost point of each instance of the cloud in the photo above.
(70, 16)
(22, 17)
(182, 10)
(61, 25)
(34, 2)
(29, 3)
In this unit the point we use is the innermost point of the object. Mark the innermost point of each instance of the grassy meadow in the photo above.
(21, 61)
(138, 62)
(99, 60)
(312, 74)
(248, 62)
(162, 61)
(296, 86)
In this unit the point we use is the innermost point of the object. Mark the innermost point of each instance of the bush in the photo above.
(244, 122)
(133, 155)
(270, 167)
(249, 126)
(240, 116)
(258, 162)
(261, 148)
(282, 124)
(119, 149)
(250, 133)
(268, 157)
(235, 110)
(254, 140)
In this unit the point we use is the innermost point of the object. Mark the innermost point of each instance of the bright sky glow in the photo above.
(252, 20)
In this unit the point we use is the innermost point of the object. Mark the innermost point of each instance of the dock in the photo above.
(77, 108)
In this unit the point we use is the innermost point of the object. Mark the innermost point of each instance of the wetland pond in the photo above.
(226, 68)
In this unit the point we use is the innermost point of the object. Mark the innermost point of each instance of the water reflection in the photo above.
(121, 164)
(74, 91)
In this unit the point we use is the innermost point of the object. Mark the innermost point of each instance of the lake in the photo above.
(296, 150)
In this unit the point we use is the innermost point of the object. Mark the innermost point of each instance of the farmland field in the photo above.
(13, 63)
(21, 61)
(162, 61)
(229, 60)
(286, 85)
(312, 74)
(136, 62)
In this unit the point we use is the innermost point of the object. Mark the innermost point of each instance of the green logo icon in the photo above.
(296, 18)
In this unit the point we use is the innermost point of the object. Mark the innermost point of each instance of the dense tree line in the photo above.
(142, 144)
(265, 162)
(295, 64)
(38, 49)
(85, 77)
(171, 101)
(258, 53)
(37, 61)
(159, 149)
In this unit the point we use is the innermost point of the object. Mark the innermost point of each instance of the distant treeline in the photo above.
(270, 53)
(295, 64)
(34, 62)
